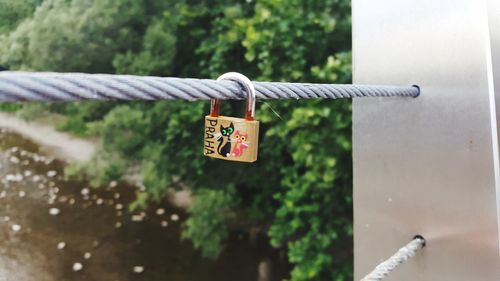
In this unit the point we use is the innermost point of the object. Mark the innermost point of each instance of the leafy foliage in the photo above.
(74, 35)
(209, 215)
(301, 184)
(12, 12)
(156, 55)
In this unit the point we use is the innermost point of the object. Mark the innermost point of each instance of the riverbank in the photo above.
(58, 144)
(68, 148)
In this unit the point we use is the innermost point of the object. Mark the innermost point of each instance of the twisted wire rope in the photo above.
(34, 86)
(402, 255)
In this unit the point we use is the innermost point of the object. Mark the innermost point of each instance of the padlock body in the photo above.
(230, 138)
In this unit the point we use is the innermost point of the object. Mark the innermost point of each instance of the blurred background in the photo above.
(122, 191)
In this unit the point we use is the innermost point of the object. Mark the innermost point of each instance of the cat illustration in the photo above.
(240, 144)
(225, 149)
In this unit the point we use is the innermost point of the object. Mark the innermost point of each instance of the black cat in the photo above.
(225, 132)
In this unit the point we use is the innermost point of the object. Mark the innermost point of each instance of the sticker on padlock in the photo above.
(231, 138)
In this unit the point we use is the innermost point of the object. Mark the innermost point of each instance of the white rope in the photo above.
(404, 254)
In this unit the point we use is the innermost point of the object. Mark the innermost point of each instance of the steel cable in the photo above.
(401, 256)
(34, 86)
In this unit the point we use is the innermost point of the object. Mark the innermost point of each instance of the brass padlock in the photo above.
(231, 138)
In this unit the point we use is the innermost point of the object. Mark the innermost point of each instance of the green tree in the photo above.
(75, 35)
(13, 12)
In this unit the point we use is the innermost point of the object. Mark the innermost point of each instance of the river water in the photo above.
(52, 229)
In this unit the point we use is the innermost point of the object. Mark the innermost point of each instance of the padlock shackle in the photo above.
(214, 107)
(249, 88)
